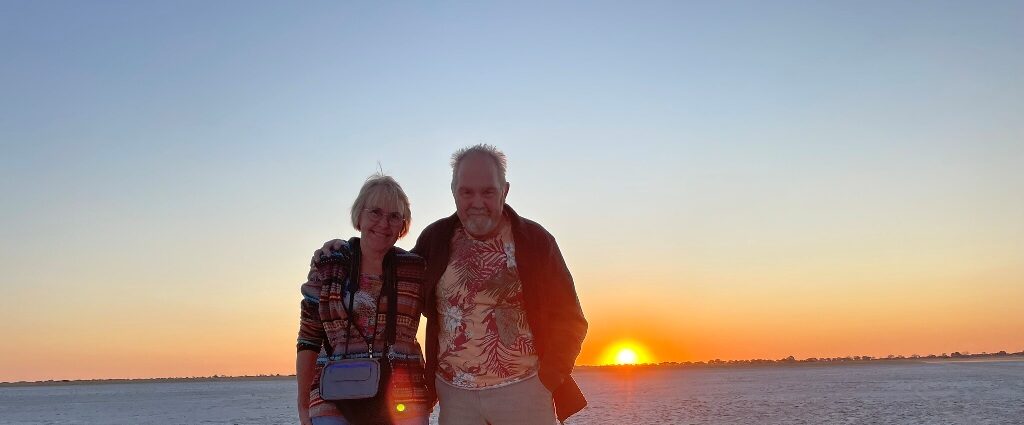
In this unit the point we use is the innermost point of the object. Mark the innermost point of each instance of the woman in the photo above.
(333, 294)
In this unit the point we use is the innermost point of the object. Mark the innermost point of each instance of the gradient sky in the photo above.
(726, 179)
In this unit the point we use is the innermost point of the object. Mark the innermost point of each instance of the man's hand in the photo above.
(330, 247)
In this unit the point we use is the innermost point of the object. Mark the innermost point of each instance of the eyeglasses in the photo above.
(377, 214)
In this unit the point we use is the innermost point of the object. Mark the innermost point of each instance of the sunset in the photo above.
(626, 353)
(725, 182)
(626, 356)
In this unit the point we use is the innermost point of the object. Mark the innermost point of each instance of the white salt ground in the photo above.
(916, 393)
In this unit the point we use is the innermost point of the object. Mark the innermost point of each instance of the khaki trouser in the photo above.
(527, 402)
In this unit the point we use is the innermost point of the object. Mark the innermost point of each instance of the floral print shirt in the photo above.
(485, 340)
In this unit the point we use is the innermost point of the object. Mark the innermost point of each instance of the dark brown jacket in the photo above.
(552, 307)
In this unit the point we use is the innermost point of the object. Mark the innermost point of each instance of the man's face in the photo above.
(479, 195)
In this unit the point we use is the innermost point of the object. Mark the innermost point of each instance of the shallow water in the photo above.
(917, 393)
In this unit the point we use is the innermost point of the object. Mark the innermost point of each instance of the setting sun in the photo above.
(625, 356)
(626, 352)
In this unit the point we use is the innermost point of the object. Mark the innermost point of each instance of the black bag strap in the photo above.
(390, 287)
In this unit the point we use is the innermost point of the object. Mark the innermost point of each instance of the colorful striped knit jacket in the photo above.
(324, 322)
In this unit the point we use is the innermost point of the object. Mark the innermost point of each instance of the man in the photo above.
(504, 324)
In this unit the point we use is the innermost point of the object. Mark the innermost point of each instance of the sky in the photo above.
(726, 180)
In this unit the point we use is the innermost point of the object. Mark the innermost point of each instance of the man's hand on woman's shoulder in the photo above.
(331, 247)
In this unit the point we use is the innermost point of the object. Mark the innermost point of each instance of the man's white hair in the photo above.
(498, 156)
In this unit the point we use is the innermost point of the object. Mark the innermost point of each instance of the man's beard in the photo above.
(479, 225)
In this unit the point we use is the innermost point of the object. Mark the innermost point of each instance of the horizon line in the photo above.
(790, 360)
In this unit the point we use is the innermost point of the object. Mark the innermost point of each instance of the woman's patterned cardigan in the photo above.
(323, 325)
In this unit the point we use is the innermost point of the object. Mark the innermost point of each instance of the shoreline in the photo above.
(743, 364)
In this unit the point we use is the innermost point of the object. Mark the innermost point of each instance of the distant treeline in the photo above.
(956, 355)
(260, 377)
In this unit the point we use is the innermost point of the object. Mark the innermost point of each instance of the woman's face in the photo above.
(379, 227)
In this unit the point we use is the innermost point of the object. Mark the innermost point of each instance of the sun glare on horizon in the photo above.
(626, 356)
(626, 353)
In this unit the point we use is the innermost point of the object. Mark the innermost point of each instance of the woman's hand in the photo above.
(305, 362)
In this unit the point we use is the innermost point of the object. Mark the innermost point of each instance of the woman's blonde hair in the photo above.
(382, 191)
